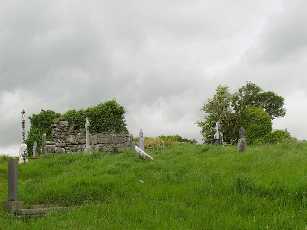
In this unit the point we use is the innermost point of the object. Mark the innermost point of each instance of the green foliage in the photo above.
(75, 118)
(154, 143)
(216, 109)
(105, 117)
(229, 108)
(185, 187)
(257, 123)
(177, 139)
(251, 95)
(277, 137)
(40, 124)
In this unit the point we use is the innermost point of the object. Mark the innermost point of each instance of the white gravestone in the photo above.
(218, 136)
(141, 141)
(142, 154)
(87, 133)
(22, 153)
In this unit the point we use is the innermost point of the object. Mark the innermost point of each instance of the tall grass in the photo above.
(185, 187)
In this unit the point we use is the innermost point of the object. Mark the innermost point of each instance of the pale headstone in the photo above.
(35, 149)
(242, 140)
(87, 133)
(218, 135)
(141, 141)
(22, 153)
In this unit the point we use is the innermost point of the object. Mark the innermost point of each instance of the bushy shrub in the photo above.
(177, 139)
(162, 141)
(277, 137)
(105, 117)
(257, 124)
(153, 143)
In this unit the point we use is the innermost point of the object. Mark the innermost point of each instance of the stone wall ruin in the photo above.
(66, 138)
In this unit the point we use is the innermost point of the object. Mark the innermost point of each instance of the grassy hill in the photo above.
(185, 187)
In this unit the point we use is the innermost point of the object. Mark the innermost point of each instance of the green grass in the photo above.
(185, 187)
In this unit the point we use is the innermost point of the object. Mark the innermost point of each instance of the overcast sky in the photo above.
(161, 59)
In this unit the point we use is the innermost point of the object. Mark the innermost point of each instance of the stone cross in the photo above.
(87, 133)
(34, 149)
(23, 148)
(23, 126)
(141, 141)
(218, 136)
(242, 140)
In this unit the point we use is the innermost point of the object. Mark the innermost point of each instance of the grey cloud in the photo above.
(285, 38)
(160, 59)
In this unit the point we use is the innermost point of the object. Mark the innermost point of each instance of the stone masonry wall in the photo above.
(67, 139)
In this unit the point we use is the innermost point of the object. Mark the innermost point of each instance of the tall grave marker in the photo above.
(87, 133)
(218, 136)
(23, 146)
(12, 202)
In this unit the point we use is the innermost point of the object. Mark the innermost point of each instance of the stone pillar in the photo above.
(141, 141)
(12, 203)
(87, 133)
(12, 180)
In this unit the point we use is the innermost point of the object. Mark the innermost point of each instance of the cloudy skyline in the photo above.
(160, 59)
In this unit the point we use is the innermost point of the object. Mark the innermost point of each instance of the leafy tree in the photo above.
(257, 124)
(218, 108)
(272, 103)
(229, 109)
(40, 124)
(251, 95)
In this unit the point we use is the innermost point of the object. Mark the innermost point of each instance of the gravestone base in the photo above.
(37, 212)
(13, 206)
(242, 145)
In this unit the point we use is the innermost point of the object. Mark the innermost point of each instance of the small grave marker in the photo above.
(23, 148)
(87, 133)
